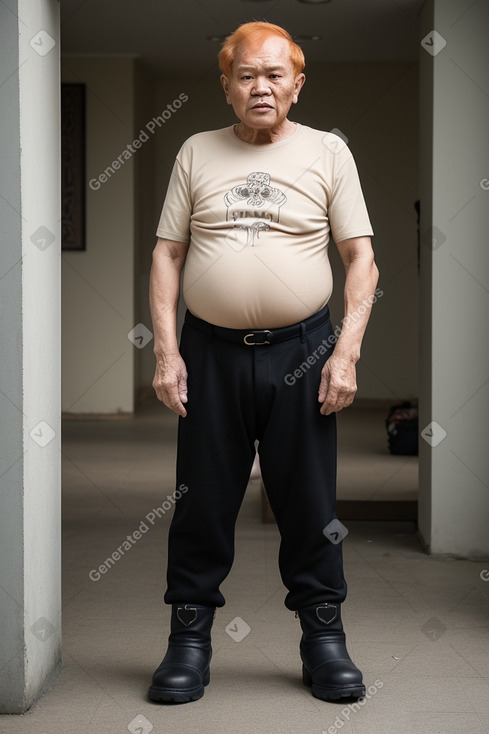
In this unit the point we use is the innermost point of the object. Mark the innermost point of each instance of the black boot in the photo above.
(184, 671)
(326, 666)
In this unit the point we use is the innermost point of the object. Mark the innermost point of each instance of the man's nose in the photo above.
(261, 86)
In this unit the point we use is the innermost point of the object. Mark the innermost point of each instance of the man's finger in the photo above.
(336, 401)
(323, 387)
(182, 389)
(171, 397)
(328, 407)
(174, 403)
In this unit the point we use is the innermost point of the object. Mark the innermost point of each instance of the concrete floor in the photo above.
(366, 469)
(417, 626)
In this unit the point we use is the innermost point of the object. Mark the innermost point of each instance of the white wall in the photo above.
(376, 106)
(454, 477)
(99, 283)
(30, 483)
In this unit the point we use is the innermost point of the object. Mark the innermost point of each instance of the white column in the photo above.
(30, 583)
(454, 305)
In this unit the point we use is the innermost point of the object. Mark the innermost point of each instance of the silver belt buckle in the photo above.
(262, 332)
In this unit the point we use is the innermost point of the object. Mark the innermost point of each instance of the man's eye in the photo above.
(274, 76)
(246, 77)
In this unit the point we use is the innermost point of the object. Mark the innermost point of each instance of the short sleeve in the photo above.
(347, 211)
(175, 216)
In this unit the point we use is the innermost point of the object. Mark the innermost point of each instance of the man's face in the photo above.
(263, 85)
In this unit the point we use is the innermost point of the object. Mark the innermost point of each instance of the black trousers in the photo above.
(238, 393)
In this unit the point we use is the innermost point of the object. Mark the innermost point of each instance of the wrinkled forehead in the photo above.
(267, 51)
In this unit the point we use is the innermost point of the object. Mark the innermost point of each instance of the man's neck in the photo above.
(258, 136)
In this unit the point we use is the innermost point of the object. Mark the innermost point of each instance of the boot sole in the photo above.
(332, 694)
(169, 695)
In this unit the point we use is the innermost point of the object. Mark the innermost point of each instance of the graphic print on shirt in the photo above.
(252, 206)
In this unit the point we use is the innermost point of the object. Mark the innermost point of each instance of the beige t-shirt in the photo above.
(258, 219)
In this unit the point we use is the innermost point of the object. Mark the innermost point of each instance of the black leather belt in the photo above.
(259, 337)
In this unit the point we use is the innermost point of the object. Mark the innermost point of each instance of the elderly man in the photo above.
(247, 216)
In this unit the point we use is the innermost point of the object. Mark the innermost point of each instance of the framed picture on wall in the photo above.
(73, 229)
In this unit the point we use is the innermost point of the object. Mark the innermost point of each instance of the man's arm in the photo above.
(338, 377)
(170, 380)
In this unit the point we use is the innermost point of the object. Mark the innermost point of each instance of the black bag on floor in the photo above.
(402, 429)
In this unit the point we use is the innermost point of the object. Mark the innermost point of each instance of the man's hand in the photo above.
(338, 384)
(170, 382)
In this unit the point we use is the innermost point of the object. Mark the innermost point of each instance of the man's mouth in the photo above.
(262, 105)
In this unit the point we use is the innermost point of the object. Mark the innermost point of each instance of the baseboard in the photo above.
(96, 416)
(391, 510)
(384, 403)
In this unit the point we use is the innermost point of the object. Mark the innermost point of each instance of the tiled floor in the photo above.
(417, 626)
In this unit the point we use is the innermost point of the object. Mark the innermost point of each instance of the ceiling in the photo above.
(171, 37)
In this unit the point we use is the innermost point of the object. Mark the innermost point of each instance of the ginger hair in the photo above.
(253, 33)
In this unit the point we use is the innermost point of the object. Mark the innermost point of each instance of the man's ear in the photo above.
(298, 84)
(225, 86)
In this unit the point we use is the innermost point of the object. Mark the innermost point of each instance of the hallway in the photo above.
(417, 626)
